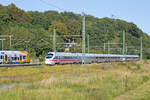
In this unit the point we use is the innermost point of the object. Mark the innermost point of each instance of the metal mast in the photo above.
(88, 43)
(83, 39)
(104, 47)
(10, 40)
(123, 50)
(54, 40)
(108, 47)
(2, 43)
(141, 50)
(126, 49)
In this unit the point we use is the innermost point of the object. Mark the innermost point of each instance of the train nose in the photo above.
(48, 62)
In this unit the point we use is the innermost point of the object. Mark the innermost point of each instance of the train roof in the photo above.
(90, 54)
(13, 52)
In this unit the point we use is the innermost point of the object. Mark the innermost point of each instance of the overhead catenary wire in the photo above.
(52, 5)
(57, 7)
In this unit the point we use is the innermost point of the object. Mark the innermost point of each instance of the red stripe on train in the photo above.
(75, 60)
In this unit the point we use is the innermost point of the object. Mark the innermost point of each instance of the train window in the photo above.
(66, 57)
(21, 58)
(49, 56)
(62, 57)
(12, 58)
(24, 57)
(56, 57)
(1, 57)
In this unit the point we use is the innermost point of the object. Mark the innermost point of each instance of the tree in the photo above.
(74, 28)
(17, 15)
(59, 26)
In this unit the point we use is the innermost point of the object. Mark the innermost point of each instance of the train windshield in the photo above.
(49, 56)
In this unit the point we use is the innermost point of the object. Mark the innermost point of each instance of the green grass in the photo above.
(104, 81)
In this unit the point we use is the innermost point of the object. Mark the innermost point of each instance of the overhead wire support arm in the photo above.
(67, 35)
(9, 36)
(113, 43)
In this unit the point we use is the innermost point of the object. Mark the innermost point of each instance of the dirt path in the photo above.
(137, 94)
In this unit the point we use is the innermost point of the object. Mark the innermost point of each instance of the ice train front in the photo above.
(49, 58)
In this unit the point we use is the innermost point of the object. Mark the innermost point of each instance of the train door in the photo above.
(20, 59)
(9, 58)
(6, 59)
(1, 59)
(96, 60)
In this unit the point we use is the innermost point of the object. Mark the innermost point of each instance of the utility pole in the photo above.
(10, 40)
(83, 39)
(54, 40)
(126, 49)
(2, 42)
(108, 47)
(141, 50)
(104, 47)
(123, 43)
(88, 43)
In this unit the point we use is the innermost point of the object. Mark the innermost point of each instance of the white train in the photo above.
(14, 57)
(53, 58)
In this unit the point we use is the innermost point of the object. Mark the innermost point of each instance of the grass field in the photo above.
(104, 81)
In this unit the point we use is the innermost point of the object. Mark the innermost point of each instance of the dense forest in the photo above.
(33, 31)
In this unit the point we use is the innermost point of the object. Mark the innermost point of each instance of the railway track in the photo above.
(15, 65)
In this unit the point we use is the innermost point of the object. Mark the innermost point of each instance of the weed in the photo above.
(129, 67)
(138, 67)
(88, 82)
(145, 78)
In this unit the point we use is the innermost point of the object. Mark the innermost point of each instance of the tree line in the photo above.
(37, 28)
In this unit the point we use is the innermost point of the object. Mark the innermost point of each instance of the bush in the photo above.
(145, 78)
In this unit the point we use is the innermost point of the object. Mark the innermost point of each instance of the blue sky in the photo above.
(136, 11)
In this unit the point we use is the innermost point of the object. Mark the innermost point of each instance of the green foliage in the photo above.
(138, 67)
(129, 67)
(145, 78)
(37, 27)
(59, 26)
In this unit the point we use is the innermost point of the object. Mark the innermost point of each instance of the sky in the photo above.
(136, 11)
